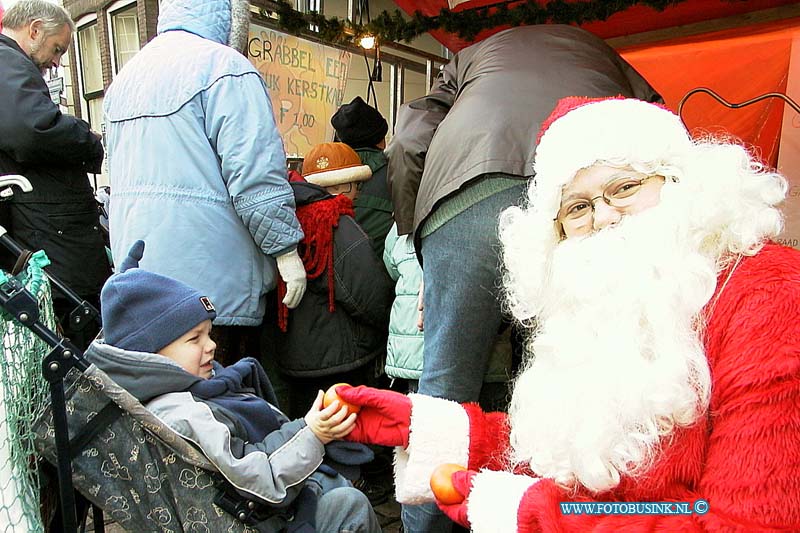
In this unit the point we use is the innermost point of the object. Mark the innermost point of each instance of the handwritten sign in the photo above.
(306, 83)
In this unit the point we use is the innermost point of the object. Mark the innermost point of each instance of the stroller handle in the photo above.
(13, 179)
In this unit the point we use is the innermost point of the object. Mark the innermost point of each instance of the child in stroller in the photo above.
(156, 345)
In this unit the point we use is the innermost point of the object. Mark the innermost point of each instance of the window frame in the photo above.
(114, 9)
(83, 96)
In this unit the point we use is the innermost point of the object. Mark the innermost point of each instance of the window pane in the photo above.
(89, 50)
(96, 113)
(126, 35)
(415, 85)
(95, 120)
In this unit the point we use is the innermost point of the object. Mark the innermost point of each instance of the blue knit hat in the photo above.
(143, 311)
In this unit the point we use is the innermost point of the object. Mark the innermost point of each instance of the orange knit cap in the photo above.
(329, 164)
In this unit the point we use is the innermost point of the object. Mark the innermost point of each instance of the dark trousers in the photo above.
(302, 391)
(236, 342)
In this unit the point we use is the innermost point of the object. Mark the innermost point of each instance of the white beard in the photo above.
(617, 362)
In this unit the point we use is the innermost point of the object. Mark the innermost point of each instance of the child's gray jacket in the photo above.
(273, 469)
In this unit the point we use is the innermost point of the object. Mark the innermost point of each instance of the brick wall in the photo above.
(105, 47)
(147, 14)
(79, 8)
(148, 20)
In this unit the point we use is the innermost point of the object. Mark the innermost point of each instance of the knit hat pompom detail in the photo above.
(330, 164)
(144, 311)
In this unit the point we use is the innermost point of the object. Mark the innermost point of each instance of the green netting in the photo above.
(22, 397)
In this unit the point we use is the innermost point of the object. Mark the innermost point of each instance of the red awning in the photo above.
(634, 20)
(737, 64)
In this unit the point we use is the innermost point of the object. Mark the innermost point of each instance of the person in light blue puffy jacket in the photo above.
(404, 347)
(198, 170)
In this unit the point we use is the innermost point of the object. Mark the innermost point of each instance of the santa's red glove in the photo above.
(462, 482)
(385, 415)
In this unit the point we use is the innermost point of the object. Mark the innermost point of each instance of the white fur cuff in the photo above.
(439, 434)
(495, 499)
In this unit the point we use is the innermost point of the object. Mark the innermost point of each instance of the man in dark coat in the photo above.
(363, 128)
(55, 152)
(460, 156)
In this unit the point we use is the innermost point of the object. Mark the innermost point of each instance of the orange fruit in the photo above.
(331, 396)
(442, 483)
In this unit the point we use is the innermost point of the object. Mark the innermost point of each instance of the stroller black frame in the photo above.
(63, 356)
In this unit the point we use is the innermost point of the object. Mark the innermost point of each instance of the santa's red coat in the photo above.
(743, 457)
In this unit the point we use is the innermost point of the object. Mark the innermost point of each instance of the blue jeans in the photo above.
(462, 278)
(346, 510)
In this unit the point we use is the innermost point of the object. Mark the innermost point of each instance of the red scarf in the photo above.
(318, 220)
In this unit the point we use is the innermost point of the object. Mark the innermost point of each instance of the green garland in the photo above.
(466, 24)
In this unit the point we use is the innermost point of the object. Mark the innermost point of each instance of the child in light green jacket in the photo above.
(404, 347)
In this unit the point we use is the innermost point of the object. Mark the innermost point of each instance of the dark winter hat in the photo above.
(143, 311)
(359, 124)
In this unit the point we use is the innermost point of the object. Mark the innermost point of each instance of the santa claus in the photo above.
(664, 355)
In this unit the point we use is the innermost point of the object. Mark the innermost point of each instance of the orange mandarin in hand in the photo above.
(442, 483)
(331, 396)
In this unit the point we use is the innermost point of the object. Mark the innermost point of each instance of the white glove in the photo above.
(292, 271)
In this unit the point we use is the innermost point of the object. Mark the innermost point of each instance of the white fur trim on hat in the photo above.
(494, 500)
(439, 434)
(329, 178)
(613, 130)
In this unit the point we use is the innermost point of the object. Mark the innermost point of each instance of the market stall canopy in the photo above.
(739, 64)
(636, 19)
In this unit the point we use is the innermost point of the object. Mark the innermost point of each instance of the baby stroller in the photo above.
(104, 443)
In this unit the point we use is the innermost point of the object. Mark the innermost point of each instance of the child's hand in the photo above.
(331, 423)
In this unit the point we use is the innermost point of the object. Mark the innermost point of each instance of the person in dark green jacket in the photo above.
(364, 129)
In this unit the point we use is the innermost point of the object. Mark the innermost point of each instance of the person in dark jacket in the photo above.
(338, 332)
(55, 152)
(363, 128)
(460, 156)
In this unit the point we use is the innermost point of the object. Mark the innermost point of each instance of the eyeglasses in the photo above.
(619, 193)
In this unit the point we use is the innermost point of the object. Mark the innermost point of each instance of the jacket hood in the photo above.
(210, 19)
(144, 375)
(308, 193)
